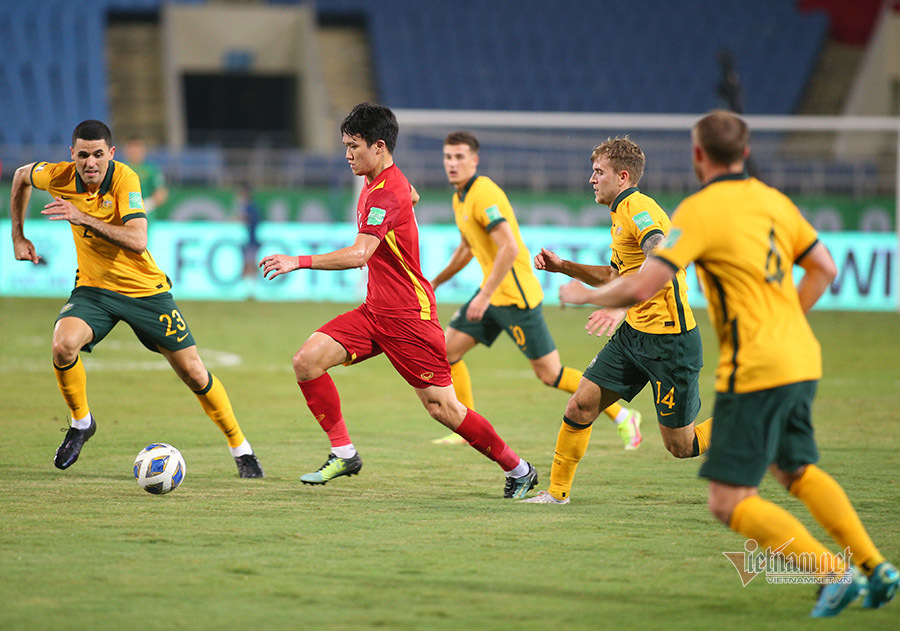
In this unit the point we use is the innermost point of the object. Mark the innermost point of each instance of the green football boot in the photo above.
(334, 467)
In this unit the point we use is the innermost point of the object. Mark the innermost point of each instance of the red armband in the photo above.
(305, 261)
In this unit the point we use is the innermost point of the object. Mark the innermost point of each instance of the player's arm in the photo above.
(18, 204)
(593, 275)
(820, 272)
(625, 291)
(131, 236)
(458, 260)
(507, 251)
(356, 255)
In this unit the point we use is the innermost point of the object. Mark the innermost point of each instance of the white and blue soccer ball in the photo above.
(159, 468)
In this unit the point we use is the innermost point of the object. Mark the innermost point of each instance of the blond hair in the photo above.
(622, 155)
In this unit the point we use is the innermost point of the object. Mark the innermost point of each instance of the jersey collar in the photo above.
(104, 186)
(728, 177)
(628, 191)
(465, 189)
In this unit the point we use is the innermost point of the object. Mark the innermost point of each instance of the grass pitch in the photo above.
(422, 538)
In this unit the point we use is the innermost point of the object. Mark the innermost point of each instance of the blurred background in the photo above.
(230, 112)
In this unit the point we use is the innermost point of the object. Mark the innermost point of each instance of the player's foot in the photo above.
(333, 468)
(629, 430)
(248, 466)
(516, 488)
(882, 586)
(68, 451)
(544, 498)
(834, 597)
(450, 439)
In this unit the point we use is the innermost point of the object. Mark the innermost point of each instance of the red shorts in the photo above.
(415, 347)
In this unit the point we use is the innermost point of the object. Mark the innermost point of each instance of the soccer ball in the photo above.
(159, 468)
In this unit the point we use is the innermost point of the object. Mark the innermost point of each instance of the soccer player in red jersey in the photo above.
(398, 316)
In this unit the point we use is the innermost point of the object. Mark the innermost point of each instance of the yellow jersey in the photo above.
(636, 217)
(745, 237)
(101, 263)
(478, 209)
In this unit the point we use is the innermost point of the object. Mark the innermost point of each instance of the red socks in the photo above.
(479, 433)
(325, 404)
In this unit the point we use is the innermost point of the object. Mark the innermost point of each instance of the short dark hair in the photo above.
(463, 138)
(723, 135)
(92, 130)
(372, 123)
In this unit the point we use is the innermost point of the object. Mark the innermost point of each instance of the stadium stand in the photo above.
(657, 56)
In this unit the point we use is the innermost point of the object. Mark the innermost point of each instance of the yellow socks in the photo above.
(568, 379)
(613, 411)
(215, 403)
(702, 432)
(571, 443)
(829, 504)
(773, 527)
(462, 383)
(72, 380)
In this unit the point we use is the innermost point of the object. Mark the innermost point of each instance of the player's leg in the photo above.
(343, 340)
(573, 438)
(749, 436)
(214, 400)
(458, 344)
(69, 336)
(827, 501)
(444, 407)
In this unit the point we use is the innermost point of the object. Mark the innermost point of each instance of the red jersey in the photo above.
(396, 286)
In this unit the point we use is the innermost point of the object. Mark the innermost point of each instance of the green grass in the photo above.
(421, 539)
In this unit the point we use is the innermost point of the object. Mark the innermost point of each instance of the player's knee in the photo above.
(305, 365)
(65, 350)
(680, 449)
(719, 508)
(547, 378)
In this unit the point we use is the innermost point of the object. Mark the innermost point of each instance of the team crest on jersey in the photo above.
(66, 307)
(135, 201)
(672, 239)
(376, 216)
(643, 220)
(106, 203)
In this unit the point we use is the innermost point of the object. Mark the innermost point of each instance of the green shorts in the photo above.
(526, 327)
(669, 362)
(755, 429)
(155, 320)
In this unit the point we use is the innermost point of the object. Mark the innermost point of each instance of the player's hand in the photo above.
(548, 261)
(278, 264)
(574, 293)
(605, 321)
(24, 250)
(62, 210)
(477, 306)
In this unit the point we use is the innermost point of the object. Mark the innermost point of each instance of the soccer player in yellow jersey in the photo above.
(745, 238)
(117, 279)
(659, 342)
(510, 295)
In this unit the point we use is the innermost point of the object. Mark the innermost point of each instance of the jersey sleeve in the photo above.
(129, 198)
(42, 174)
(643, 222)
(805, 237)
(382, 211)
(686, 241)
(491, 208)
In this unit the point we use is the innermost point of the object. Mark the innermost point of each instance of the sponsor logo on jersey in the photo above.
(135, 201)
(672, 239)
(493, 213)
(426, 376)
(643, 220)
(376, 216)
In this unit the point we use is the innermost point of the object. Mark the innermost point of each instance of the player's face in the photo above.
(606, 182)
(362, 157)
(460, 164)
(92, 160)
